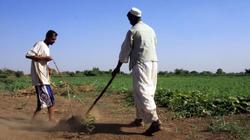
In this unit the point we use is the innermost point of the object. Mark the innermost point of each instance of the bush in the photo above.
(90, 73)
(247, 71)
(220, 71)
(3, 76)
(19, 73)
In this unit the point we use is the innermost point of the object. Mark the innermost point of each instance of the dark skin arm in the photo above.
(50, 71)
(117, 69)
(39, 58)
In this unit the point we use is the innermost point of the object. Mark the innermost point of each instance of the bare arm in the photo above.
(39, 58)
(50, 71)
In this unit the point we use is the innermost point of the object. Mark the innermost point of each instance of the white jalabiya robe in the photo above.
(144, 86)
(140, 47)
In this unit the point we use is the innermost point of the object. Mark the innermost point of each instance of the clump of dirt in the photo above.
(76, 124)
(71, 124)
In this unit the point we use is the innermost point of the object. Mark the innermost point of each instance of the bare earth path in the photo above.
(111, 119)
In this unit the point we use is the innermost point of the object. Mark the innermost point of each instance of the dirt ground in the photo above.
(111, 114)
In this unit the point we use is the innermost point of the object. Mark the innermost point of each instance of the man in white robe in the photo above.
(139, 48)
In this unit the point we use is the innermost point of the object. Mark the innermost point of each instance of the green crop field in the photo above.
(212, 85)
(185, 95)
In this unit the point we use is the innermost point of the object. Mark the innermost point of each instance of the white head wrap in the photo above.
(135, 11)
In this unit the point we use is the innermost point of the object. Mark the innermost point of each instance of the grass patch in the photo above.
(234, 128)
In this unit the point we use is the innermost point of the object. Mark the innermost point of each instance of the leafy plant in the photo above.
(196, 103)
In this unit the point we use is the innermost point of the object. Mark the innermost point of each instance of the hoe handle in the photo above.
(91, 107)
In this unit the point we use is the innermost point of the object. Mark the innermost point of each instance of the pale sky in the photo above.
(201, 35)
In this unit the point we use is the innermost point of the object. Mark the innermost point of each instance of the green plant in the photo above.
(3, 75)
(19, 74)
(233, 128)
(196, 103)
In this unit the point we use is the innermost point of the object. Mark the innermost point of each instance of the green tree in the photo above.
(220, 71)
(207, 73)
(163, 73)
(194, 72)
(181, 72)
(19, 74)
(247, 71)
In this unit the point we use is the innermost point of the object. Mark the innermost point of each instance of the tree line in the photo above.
(97, 72)
(4, 73)
(219, 71)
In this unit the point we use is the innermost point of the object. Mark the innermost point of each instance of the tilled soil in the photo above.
(109, 120)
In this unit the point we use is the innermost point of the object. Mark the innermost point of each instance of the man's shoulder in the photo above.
(146, 26)
(40, 44)
(141, 26)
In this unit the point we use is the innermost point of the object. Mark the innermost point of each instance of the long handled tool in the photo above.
(91, 107)
(56, 67)
(63, 79)
(103, 91)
